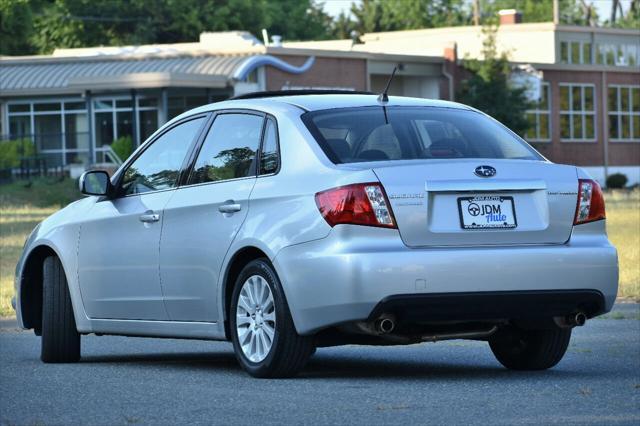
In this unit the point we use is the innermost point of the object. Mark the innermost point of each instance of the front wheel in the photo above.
(60, 338)
(519, 349)
(264, 338)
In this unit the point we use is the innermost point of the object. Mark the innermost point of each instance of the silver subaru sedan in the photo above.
(283, 222)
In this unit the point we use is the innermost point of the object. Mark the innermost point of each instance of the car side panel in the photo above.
(60, 233)
(282, 208)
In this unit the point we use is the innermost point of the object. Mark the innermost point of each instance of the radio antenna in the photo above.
(383, 96)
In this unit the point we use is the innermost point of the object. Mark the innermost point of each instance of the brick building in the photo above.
(587, 78)
(75, 103)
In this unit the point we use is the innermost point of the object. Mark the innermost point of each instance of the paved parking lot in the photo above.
(155, 381)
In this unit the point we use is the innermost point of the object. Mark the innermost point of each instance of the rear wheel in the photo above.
(519, 349)
(264, 338)
(60, 337)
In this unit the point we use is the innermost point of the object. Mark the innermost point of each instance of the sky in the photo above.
(334, 7)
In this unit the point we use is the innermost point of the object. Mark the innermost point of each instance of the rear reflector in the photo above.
(590, 202)
(358, 204)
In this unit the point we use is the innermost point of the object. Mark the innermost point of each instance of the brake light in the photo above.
(358, 204)
(590, 202)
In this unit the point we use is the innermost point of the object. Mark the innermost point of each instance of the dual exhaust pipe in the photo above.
(570, 321)
(386, 323)
(578, 319)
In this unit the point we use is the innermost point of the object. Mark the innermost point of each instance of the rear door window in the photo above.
(270, 154)
(229, 149)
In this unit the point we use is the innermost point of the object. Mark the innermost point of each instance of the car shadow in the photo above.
(328, 366)
(190, 360)
(323, 367)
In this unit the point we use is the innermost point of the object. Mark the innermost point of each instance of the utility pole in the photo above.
(556, 12)
(476, 12)
(614, 9)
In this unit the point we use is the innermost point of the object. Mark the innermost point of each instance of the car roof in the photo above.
(315, 102)
(318, 102)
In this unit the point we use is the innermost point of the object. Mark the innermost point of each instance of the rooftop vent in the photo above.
(510, 16)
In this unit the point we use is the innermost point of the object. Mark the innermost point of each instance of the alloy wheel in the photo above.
(255, 318)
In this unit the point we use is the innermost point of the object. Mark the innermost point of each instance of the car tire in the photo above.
(60, 337)
(519, 349)
(288, 352)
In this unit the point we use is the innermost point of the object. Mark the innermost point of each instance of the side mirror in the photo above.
(95, 182)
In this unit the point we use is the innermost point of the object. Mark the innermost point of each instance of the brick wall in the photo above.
(587, 153)
(325, 72)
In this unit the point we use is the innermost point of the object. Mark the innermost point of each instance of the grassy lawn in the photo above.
(623, 228)
(21, 208)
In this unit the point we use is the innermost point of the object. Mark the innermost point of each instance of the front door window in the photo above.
(158, 167)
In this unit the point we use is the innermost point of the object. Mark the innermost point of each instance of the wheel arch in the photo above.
(239, 259)
(31, 286)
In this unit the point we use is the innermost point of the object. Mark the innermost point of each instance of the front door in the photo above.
(118, 256)
(202, 219)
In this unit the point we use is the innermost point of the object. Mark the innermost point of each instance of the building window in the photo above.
(539, 123)
(180, 104)
(624, 55)
(58, 128)
(624, 113)
(114, 119)
(575, 52)
(577, 112)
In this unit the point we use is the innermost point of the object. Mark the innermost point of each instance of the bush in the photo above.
(12, 151)
(123, 147)
(616, 181)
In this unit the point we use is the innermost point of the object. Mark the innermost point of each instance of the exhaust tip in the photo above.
(580, 319)
(385, 325)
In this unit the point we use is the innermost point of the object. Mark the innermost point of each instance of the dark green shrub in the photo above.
(616, 181)
(123, 147)
(12, 151)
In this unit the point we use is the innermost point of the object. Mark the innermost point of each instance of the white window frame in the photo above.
(62, 112)
(619, 113)
(582, 112)
(624, 55)
(115, 109)
(580, 43)
(544, 86)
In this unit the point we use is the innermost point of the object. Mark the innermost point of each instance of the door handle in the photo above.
(149, 217)
(230, 207)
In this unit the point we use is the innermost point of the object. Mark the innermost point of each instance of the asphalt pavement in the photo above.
(126, 381)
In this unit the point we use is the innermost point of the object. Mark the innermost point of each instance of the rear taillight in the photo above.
(359, 204)
(590, 202)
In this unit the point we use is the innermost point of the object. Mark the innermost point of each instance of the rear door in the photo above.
(446, 203)
(203, 217)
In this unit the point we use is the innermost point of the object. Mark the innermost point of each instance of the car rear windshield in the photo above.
(350, 135)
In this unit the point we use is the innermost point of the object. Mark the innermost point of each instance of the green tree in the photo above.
(368, 15)
(342, 26)
(40, 26)
(393, 15)
(630, 19)
(16, 27)
(297, 20)
(488, 88)
(571, 11)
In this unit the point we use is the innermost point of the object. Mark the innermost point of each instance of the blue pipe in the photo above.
(262, 60)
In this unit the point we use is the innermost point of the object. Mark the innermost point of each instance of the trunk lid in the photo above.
(433, 201)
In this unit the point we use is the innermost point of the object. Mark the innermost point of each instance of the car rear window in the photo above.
(350, 135)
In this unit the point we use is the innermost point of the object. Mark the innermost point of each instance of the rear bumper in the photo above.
(357, 271)
(491, 305)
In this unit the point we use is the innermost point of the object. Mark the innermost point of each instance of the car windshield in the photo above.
(349, 135)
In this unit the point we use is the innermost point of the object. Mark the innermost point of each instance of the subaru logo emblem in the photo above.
(485, 171)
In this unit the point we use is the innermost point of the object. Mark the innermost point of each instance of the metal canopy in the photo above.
(21, 77)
